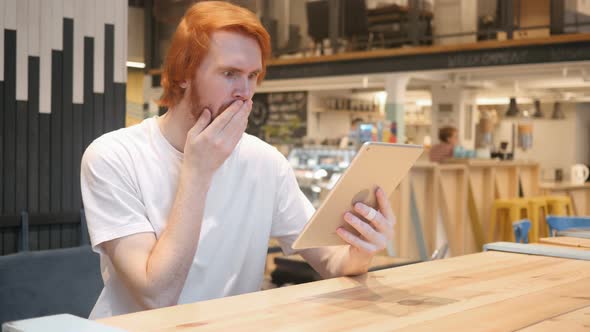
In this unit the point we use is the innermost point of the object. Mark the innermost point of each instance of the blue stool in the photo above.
(562, 223)
(521, 230)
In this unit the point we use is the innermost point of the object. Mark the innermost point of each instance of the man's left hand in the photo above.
(374, 234)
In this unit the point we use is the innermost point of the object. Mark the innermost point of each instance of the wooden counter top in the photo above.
(566, 185)
(572, 321)
(486, 291)
(567, 241)
(490, 162)
(425, 164)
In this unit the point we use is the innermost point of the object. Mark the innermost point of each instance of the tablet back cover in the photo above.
(376, 164)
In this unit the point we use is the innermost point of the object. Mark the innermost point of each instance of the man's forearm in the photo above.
(169, 262)
(332, 262)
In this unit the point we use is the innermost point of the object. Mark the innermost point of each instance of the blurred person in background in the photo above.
(449, 138)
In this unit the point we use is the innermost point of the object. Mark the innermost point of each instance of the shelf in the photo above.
(321, 110)
(418, 124)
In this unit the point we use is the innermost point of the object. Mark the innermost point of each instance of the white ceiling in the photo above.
(547, 82)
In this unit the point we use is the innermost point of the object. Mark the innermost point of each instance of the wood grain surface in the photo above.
(489, 291)
(567, 241)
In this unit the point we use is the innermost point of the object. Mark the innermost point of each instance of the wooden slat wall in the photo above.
(9, 112)
(61, 86)
(67, 114)
(56, 129)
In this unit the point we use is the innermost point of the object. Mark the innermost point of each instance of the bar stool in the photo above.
(511, 210)
(538, 206)
(521, 230)
(559, 205)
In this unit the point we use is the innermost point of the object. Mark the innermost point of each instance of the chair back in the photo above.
(47, 282)
(562, 223)
(521, 230)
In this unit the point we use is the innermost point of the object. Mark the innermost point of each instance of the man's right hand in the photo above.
(209, 145)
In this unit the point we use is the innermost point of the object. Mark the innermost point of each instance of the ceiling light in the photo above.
(538, 113)
(423, 102)
(513, 110)
(557, 112)
(491, 101)
(381, 97)
(134, 64)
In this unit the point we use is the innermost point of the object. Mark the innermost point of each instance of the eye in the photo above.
(253, 75)
(229, 73)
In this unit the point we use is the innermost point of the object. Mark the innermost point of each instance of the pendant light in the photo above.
(557, 112)
(538, 113)
(513, 110)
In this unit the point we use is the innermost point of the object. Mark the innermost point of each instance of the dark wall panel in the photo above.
(120, 104)
(44, 237)
(66, 116)
(68, 236)
(9, 147)
(56, 130)
(9, 241)
(88, 95)
(77, 141)
(33, 238)
(33, 136)
(40, 154)
(21, 155)
(109, 98)
(87, 116)
(55, 236)
(1, 146)
(44, 163)
(98, 114)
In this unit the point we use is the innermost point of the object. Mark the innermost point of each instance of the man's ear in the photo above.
(184, 84)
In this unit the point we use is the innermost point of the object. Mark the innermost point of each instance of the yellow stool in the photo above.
(512, 210)
(538, 205)
(559, 205)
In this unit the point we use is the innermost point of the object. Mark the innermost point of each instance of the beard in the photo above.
(197, 106)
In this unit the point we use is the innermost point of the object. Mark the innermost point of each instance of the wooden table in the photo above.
(567, 241)
(579, 233)
(486, 291)
(294, 269)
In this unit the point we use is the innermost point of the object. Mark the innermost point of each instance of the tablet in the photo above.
(376, 164)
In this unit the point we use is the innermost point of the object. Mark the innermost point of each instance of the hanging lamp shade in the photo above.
(557, 112)
(538, 113)
(512, 110)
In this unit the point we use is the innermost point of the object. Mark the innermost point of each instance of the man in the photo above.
(449, 138)
(181, 207)
(353, 134)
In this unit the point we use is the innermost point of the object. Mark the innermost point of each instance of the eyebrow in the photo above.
(230, 68)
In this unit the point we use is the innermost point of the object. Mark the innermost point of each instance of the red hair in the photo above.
(190, 43)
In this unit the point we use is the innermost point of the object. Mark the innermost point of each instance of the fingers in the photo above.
(357, 242)
(375, 237)
(202, 122)
(381, 223)
(234, 130)
(226, 116)
(368, 232)
(239, 121)
(384, 205)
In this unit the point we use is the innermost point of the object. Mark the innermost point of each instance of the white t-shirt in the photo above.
(129, 180)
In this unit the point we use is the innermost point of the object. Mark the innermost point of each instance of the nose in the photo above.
(243, 89)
